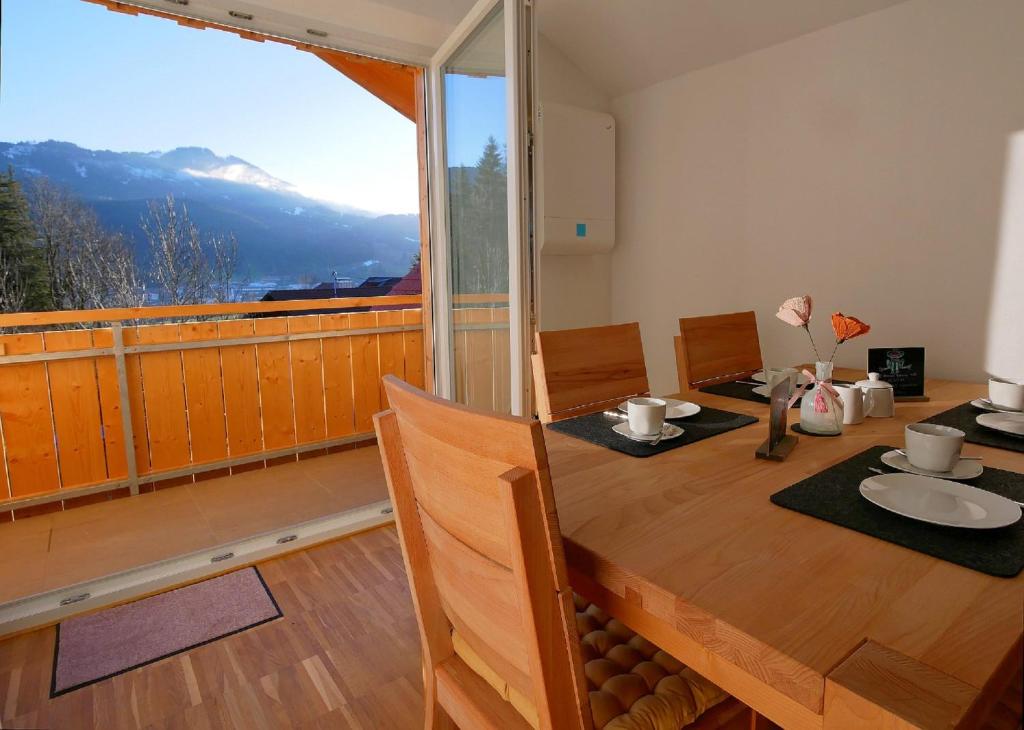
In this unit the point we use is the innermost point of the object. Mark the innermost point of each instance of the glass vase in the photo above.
(820, 411)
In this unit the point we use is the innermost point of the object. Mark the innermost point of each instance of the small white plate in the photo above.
(758, 377)
(965, 468)
(676, 408)
(669, 431)
(986, 405)
(1011, 423)
(762, 390)
(939, 501)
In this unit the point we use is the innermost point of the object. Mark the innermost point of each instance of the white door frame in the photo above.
(519, 83)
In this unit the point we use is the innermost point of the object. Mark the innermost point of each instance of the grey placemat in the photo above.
(597, 429)
(963, 416)
(833, 495)
(742, 390)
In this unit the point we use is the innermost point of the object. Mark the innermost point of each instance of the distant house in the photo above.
(374, 286)
(409, 285)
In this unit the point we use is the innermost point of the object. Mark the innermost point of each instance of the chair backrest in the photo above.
(585, 370)
(716, 349)
(476, 516)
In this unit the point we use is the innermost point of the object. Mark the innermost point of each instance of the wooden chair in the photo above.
(498, 623)
(716, 349)
(585, 370)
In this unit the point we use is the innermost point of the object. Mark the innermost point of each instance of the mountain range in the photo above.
(280, 232)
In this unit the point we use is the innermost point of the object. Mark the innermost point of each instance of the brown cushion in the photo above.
(633, 684)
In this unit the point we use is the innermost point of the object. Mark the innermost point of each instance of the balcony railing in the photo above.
(119, 407)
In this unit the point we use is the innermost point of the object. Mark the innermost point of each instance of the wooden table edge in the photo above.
(653, 613)
(877, 686)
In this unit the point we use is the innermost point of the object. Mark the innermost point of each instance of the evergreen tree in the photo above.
(479, 224)
(23, 279)
(490, 201)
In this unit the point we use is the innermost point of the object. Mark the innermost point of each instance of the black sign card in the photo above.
(901, 367)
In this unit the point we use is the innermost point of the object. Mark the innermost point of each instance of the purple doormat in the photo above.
(104, 644)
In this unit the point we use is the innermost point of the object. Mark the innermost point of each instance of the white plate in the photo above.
(965, 468)
(676, 408)
(758, 377)
(939, 501)
(1011, 423)
(986, 405)
(669, 431)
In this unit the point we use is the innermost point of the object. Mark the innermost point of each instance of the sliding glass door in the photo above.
(480, 205)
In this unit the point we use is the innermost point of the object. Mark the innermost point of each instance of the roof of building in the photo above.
(373, 286)
(411, 283)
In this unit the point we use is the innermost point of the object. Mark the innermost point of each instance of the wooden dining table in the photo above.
(810, 624)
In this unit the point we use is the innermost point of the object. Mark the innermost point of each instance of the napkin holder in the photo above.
(779, 443)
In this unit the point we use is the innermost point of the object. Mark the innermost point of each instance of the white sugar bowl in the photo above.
(879, 398)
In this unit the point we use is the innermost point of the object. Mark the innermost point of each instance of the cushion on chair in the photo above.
(633, 684)
(474, 661)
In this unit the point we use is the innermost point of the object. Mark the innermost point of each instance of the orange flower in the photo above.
(846, 328)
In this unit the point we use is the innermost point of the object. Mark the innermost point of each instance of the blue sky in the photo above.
(74, 71)
(476, 109)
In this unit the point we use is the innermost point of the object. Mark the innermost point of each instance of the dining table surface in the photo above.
(811, 624)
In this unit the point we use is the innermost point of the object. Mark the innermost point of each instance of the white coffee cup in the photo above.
(852, 397)
(1008, 394)
(646, 415)
(774, 376)
(933, 447)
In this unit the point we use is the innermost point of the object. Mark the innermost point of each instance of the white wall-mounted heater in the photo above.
(578, 180)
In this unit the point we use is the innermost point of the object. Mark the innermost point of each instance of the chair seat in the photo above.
(633, 685)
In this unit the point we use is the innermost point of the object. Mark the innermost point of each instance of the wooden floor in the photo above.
(62, 548)
(344, 655)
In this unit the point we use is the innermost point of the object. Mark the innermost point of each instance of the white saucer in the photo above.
(758, 377)
(1011, 423)
(676, 408)
(762, 390)
(939, 501)
(669, 431)
(986, 405)
(965, 468)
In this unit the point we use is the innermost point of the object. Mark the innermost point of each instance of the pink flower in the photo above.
(795, 311)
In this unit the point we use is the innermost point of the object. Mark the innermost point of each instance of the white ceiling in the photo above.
(402, 30)
(623, 45)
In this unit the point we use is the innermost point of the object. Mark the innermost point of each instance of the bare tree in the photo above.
(188, 267)
(178, 264)
(88, 267)
(13, 287)
(223, 251)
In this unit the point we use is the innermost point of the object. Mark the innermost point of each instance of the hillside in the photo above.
(281, 233)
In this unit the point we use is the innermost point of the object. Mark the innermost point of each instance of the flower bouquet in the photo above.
(821, 410)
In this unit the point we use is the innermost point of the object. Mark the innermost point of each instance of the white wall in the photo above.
(865, 164)
(575, 291)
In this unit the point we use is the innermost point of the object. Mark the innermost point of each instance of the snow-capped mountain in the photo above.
(280, 231)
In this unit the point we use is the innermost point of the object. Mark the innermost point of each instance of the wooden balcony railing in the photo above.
(119, 407)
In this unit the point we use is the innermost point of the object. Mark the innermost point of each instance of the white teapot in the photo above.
(879, 398)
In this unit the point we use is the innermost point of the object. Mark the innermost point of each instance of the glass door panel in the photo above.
(475, 131)
(477, 189)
